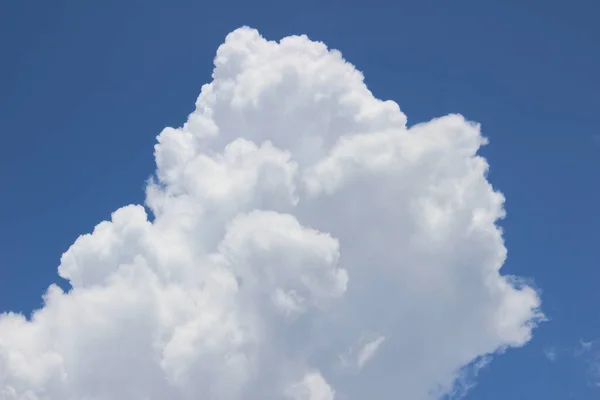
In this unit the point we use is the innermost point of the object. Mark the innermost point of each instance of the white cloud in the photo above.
(353, 360)
(550, 353)
(369, 350)
(584, 347)
(467, 379)
(312, 387)
(292, 213)
(589, 353)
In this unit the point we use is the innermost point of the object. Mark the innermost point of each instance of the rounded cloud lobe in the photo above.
(304, 244)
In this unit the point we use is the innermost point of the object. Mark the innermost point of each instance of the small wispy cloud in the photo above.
(354, 359)
(369, 350)
(584, 347)
(593, 360)
(585, 354)
(588, 352)
(551, 353)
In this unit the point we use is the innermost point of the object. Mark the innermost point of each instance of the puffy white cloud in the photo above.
(292, 214)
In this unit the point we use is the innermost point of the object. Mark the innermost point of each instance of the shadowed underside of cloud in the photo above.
(304, 244)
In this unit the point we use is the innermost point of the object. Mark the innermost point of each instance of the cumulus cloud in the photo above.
(292, 214)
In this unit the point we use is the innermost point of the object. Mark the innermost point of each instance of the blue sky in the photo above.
(85, 87)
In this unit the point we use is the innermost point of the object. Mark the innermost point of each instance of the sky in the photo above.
(86, 88)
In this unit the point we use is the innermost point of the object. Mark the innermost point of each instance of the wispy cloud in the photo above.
(584, 355)
(584, 347)
(551, 353)
(369, 350)
(590, 353)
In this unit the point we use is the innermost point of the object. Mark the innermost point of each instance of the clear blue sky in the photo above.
(86, 86)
